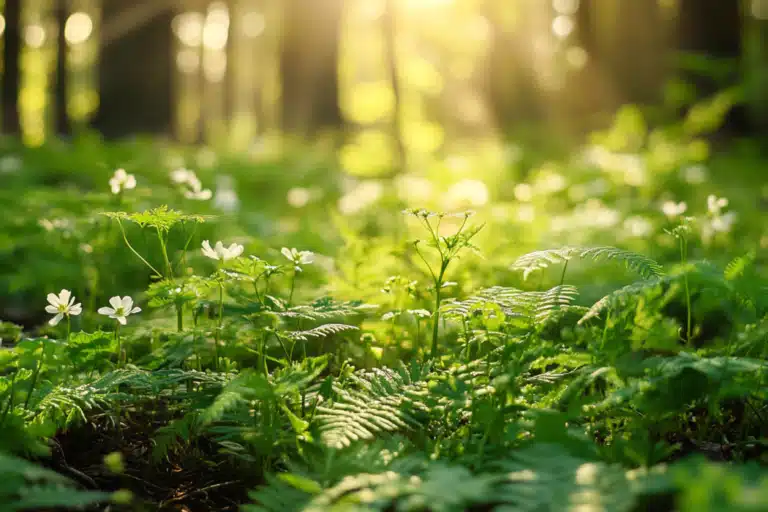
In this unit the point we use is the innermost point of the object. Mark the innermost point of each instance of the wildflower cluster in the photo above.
(192, 187)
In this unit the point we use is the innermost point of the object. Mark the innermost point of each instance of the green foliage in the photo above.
(363, 371)
(27, 486)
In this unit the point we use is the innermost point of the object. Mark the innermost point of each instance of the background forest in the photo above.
(388, 255)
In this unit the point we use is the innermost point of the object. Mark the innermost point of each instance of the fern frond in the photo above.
(327, 309)
(531, 307)
(322, 331)
(546, 477)
(620, 296)
(27, 486)
(738, 266)
(539, 260)
(374, 402)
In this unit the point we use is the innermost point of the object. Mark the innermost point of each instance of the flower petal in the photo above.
(106, 311)
(127, 303)
(55, 320)
(116, 302)
(76, 309)
(53, 299)
(64, 296)
(122, 320)
(130, 182)
(287, 253)
(51, 309)
(135, 310)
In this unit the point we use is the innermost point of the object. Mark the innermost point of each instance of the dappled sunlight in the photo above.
(412, 255)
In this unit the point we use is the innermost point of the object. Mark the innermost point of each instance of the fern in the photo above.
(531, 307)
(620, 296)
(26, 486)
(374, 402)
(327, 309)
(322, 331)
(545, 477)
(638, 263)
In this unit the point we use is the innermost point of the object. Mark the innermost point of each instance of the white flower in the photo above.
(672, 209)
(219, 252)
(298, 258)
(121, 180)
(716, 204)
(181, 175)
(196, 190)
(723, 223)
(121, 308)
(62, 304)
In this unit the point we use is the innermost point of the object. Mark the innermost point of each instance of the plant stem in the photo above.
(562, 276)
(35, 375)
(218, 328)
(684, 259)
(164, 250)
(293, 285)
(179, 317)
(436, 312)
(119, 346)
(69, 327)
(134, 251)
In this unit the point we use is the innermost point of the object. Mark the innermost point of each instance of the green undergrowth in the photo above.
(565, 346)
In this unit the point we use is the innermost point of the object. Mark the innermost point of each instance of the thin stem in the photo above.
(429, 267)
(35, 375)
(436, 312)
(684, 259)
(125, 238)
(293, 286)
(69, 327)
(218, 327)
(164, 250)
(179, 317)
(183, 259)
(562, 276)
(119, 346)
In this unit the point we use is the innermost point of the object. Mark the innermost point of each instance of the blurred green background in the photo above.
(314, 122)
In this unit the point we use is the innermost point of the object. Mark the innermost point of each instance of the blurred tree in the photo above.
(60, 94)
(136, 67)
(511, 86)
(11, 71)
(713, 29)
(625, 40)
(309, 60)
(389, 27)
(638, 55)
(710, 27)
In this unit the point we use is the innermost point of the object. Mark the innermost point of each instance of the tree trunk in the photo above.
(61, 92)
(389, 27)
(11, 57)
(135, 73)
(713, 28)
(637, 57)
(513, 95)
(309, 59)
